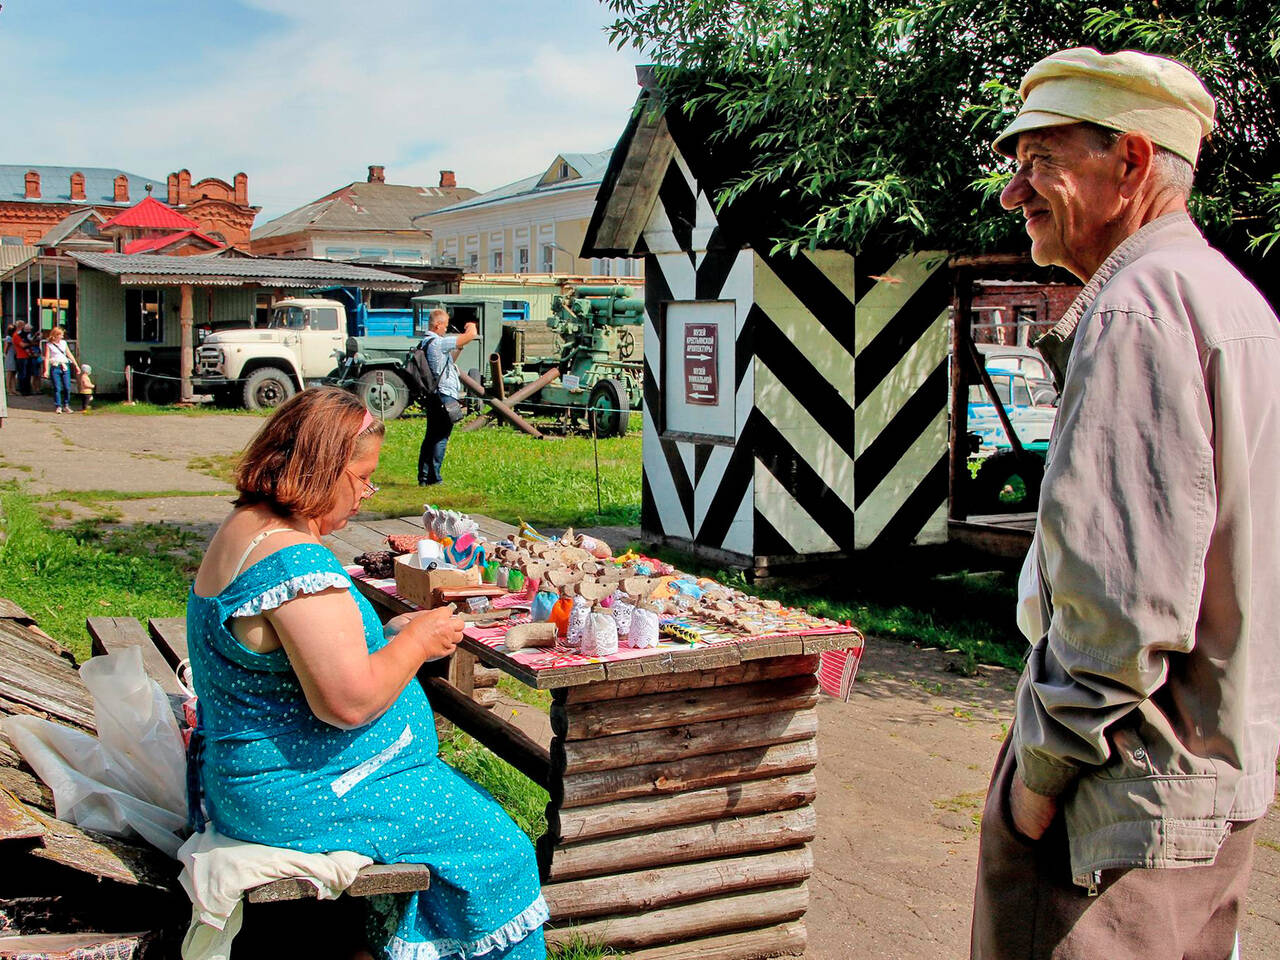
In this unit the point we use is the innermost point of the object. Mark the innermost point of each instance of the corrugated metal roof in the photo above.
(67, 226)
(590, 167)
(12, 254)
(267, 271)
(151, 214)
(365, 206)
(55, 184)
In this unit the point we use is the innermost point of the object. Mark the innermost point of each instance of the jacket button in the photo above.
(1140, 754)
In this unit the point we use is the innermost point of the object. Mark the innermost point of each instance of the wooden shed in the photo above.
(795, 408)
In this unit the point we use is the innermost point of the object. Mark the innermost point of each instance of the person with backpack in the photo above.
(440, 353)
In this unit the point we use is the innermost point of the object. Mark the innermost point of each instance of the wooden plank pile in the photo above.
(75, 894)
(66, 891)
(681, 811)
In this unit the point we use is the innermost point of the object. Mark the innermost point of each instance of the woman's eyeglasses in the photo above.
(370, 488)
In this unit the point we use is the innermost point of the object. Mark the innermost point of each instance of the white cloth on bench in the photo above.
(217, 870)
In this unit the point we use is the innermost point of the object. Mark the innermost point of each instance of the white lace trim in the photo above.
(307, 583)
(511, 932)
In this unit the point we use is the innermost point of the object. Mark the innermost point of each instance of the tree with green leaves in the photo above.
(875, 118)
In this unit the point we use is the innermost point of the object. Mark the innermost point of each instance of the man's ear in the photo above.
(1134, 153)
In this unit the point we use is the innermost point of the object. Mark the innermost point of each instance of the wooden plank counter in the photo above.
(681, 790)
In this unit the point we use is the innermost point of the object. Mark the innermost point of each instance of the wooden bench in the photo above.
(164, 645)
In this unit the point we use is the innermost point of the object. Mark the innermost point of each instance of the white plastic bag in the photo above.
(130, 780)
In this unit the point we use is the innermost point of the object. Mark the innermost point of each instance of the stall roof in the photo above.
(158, 270)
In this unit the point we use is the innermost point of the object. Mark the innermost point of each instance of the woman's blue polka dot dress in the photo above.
(272, 773)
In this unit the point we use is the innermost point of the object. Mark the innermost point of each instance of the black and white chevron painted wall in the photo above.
(840, 392)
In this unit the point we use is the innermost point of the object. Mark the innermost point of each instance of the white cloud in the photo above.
(492, 91)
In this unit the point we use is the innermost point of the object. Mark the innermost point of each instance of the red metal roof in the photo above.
(151, 214)
(154, 244)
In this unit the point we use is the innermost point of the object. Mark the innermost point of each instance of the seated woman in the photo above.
(313, 734)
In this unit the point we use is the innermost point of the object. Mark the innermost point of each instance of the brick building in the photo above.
(1016, 312)
(369, 221)
(35, 199)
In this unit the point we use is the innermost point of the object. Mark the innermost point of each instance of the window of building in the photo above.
(142, 315)
(522, 260)
(340, 253)
(563, 173)
(473, 262)
(496, 258)
(410, 256)
(11, 241)
(548, 258)
(371, 253)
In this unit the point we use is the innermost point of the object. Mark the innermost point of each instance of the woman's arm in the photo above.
(345, 685)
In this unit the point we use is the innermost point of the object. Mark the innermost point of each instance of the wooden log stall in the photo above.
(681, 791)
(681, 810)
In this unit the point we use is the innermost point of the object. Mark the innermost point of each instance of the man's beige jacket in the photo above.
(1151, 705)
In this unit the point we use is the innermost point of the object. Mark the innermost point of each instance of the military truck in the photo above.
(261, 367)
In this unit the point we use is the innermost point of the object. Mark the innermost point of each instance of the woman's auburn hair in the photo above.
(293, 464)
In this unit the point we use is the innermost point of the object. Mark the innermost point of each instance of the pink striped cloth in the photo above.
(837, 668)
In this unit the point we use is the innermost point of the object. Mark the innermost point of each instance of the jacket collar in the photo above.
(1055, 346)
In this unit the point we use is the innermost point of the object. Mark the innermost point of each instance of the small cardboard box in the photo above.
(419, 586)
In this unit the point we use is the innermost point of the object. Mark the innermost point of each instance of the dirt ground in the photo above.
(903, 766)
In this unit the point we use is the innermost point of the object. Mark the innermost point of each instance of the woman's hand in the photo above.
(437, 631)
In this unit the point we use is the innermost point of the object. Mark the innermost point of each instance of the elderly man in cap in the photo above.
(1121, 815)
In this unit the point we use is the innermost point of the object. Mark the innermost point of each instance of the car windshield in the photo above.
(287, 318)
(1021, 395)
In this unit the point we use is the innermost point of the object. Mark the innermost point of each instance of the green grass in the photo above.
(516, 690)
(140, 409)
(580, 949)
(502, 473)
(499, 472)
(94, 497)
(524, 800)
(60, 577)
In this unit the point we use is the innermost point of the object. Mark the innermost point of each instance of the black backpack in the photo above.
(421, 377)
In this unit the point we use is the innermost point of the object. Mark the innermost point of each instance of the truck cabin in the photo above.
(306, 315)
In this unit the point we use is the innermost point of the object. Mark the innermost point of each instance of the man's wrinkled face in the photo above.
(1067, 186)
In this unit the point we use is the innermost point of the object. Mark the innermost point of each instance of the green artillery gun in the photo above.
(589, 379)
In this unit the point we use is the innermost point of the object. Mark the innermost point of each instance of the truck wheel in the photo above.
(267, 388)
(160, 391)
(609, 408)
(1008, 483)
(385, 400)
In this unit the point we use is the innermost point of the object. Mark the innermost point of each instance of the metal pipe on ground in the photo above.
(500, 408)
(495, 376)
(524, 393)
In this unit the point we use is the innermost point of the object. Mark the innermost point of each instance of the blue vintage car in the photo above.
(1032, 422)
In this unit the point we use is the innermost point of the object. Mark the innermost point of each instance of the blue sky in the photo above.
(302, 95)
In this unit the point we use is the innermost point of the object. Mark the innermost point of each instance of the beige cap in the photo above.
(1128, 91)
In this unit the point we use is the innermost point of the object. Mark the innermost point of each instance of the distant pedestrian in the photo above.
(84, 387)
(36, 361)
(20, 341)
(10, 361)
(443, 408)
(58, 362)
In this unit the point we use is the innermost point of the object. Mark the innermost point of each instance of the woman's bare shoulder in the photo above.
(233, 537)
